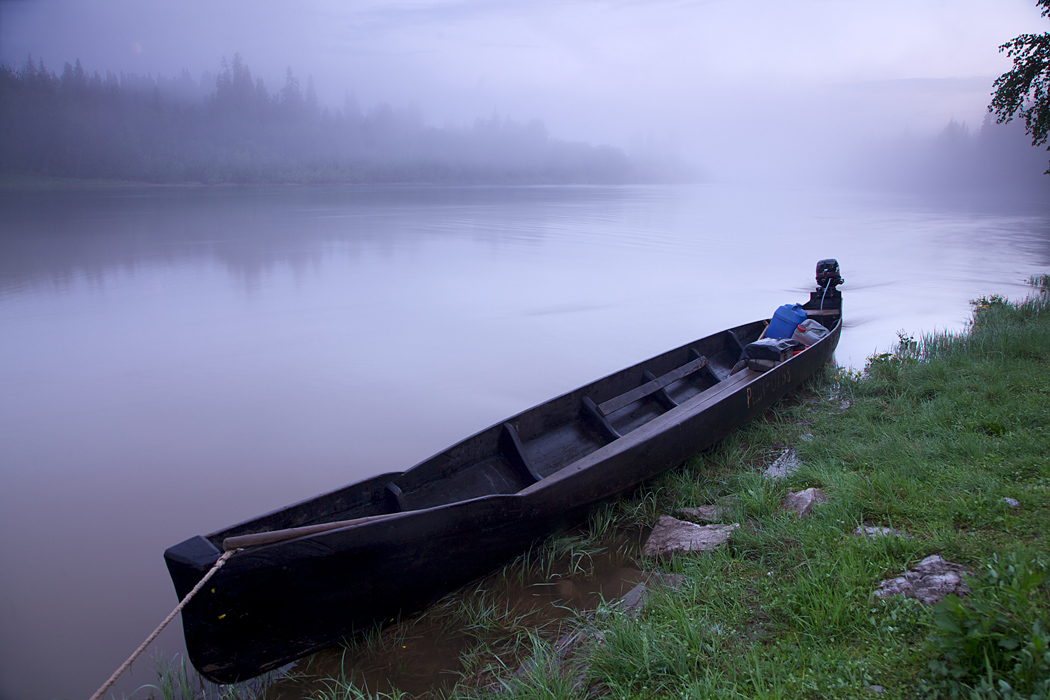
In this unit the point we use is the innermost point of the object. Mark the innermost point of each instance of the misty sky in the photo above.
(718, 80)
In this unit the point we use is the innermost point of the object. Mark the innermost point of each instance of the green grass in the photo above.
(935, 435)
(177, 680)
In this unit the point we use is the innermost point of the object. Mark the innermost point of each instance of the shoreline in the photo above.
(941, 443)
(9, 183)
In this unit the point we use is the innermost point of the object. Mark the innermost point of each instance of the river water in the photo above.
(173, 360)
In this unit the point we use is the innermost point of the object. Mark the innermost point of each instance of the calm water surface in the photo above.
(175, 360)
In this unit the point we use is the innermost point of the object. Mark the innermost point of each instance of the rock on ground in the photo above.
(705, 514)
(876, 531)
(1012, 502)
(672, 535)
(635, 600)
(928, 581)
(802, 502)
(784, 465)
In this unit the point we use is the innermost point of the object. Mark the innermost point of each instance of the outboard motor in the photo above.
(828, 274)
(828, 278)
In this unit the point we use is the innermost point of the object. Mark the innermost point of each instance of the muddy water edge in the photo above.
(483, 632)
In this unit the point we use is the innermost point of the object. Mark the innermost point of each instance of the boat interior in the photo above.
(510, 456)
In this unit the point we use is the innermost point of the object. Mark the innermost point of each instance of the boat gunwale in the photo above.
(218, 535)
(711, 396)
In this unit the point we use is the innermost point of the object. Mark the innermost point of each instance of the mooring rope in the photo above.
(169, 618)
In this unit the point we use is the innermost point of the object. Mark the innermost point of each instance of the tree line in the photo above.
(175, 130)
(999, 156)
(992, 158)
(1024, 90)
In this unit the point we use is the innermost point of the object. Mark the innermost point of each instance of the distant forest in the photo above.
(178, 130)
(995, 158)
(229, 128)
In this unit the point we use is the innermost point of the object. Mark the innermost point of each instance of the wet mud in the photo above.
(482, 632)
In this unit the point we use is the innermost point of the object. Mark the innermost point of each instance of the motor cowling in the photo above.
(828, 274)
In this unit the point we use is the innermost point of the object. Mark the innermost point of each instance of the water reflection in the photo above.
(53, 237)
(174, 360)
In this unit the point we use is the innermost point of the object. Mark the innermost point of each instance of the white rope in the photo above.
(169, 618)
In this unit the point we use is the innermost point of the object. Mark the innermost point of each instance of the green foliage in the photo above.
(543, 676)
(888, 365)
(657, 654)
(1041, 283)
(348, 690)
(995, 642)
(174, 681)
(1025, 89)
(177, 681)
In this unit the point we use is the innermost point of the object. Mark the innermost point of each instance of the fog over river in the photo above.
(173, 360)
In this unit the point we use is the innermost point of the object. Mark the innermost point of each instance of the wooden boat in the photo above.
(307, 575)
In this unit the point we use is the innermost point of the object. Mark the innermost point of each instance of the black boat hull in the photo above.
(275, 603)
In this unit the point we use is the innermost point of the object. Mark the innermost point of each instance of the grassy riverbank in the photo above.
(929, 440)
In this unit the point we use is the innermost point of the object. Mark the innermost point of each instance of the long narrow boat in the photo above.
(305, 576)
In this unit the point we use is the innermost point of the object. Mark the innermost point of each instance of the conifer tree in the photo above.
(1025, 90)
